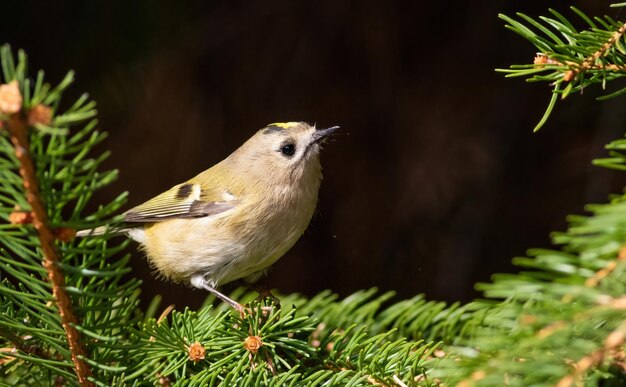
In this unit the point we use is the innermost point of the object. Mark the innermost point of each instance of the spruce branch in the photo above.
(541, 60)
(102, 304)
(18, 128)
(606, 270)
(20, 343)
(591, 62)
(612, 348)
(568, 59)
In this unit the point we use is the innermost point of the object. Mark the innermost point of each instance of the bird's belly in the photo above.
(220, 249)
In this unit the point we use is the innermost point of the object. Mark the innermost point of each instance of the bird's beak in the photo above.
(321, 134)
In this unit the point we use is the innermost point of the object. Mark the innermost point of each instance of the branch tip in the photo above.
(40, 114)
(252, 344)
(196, 352)
(10, 98)
(21, 217)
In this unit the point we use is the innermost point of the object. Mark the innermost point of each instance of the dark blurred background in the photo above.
(437, 179)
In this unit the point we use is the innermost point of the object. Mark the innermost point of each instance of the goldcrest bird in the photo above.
(237, 218)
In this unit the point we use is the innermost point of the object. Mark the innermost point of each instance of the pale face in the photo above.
(291, 142)
(288, 149)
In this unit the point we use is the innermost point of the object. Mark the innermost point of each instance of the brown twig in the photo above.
(18, 128)
(608, 269)
(593, 281)
(19, 343)
(612, 342)
(542, 59)
(590, 62)
(165, 313)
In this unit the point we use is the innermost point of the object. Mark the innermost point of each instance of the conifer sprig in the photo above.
(18, 127)
(569, 59)
(57, 320)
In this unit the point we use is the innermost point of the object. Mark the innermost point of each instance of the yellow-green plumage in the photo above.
(237, 218)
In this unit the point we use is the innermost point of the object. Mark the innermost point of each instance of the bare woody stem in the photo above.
(18, 128)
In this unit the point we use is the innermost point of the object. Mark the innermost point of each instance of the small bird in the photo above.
(237, 218)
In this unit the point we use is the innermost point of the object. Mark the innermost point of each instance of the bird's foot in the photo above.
(265, 294)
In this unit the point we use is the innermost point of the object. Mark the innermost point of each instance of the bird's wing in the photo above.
(183, 201)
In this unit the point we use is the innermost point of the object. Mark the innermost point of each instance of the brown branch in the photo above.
(19, 343)
(18, 128)
(612, 348)
(603, 302)
(590, 62)
(541, 60)
(613, 342)
(593, 281)
(608, 269)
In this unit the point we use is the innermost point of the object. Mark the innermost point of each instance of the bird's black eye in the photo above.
(288, 149)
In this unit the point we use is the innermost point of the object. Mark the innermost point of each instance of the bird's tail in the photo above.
(100, 231)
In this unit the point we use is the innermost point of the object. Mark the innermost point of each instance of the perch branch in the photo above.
(18, 129)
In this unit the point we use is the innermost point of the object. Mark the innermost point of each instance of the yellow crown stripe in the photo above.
(284, 125)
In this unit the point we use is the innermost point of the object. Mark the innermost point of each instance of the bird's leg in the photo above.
(201, 282)
(225, 298)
